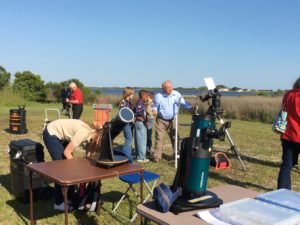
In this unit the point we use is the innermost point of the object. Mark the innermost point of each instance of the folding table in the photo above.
(228, 193)
(76, 171)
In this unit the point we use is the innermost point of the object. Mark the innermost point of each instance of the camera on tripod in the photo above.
(216, 112)
(215, 95)
(214, 109)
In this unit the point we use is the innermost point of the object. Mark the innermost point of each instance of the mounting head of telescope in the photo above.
(215, 104)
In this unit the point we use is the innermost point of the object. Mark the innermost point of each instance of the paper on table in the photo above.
(209, 218)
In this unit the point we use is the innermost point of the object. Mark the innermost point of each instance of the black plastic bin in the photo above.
(20, 186)
(22, 152)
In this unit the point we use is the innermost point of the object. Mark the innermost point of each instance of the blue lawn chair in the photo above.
(132, 179)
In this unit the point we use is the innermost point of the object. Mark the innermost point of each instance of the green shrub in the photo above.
(30, 85)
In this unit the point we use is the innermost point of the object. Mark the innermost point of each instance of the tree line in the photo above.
(33, 88)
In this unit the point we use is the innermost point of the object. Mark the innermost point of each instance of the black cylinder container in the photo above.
(17, 121)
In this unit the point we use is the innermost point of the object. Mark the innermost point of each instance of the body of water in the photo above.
(119, 91)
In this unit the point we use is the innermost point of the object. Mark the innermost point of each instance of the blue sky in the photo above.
(249, 44)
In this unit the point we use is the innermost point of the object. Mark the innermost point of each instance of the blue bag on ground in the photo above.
(164, 197)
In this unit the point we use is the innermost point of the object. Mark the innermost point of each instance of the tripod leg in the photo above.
(234, 150)
(241, 161)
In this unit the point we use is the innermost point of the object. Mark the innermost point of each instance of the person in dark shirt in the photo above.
(150, 121)
(128, 94)
(64, 94)
(140, 127)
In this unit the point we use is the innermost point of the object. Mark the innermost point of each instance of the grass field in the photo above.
(257, 143)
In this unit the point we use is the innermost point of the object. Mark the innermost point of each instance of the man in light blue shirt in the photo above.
(166, 106)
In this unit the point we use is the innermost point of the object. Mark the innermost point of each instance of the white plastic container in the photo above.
(254, 212)
(282, 197)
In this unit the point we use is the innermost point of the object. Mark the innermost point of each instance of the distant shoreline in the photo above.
(234, 92)
(185, 92)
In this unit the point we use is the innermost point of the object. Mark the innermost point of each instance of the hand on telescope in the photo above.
(194, 109)
(186, 105)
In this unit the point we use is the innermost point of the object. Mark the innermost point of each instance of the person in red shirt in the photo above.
(76, 101)
(290, 139)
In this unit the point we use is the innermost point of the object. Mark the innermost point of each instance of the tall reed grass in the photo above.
(10, 97)
(116, 99)
(248, 108)
(252, 108)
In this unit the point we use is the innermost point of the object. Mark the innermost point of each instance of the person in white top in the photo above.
(61, 138)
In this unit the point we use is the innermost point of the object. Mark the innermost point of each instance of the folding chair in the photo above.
(132, 179)
(47, 112)
(101, 111)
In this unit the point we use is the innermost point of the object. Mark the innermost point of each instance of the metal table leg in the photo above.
(31, 198)
(141, 191)
(65, 193)
(99, 202)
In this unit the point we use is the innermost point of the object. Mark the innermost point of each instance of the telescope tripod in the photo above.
(233, 148)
